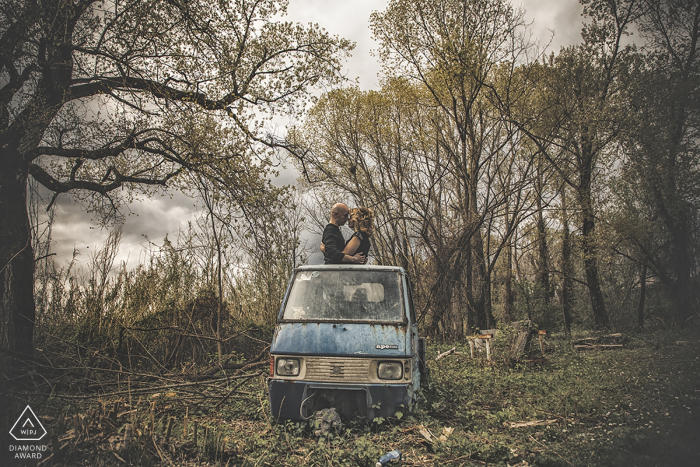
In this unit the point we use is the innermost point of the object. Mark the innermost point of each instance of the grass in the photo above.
(637, 406)
(626, 407)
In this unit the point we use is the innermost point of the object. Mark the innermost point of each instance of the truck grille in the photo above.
(354, 370)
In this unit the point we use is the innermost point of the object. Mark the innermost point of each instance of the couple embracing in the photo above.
(335, 249)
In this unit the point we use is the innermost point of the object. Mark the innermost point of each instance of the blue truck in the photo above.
(346, 337)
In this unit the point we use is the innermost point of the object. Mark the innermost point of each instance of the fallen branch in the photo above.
(555, 415)
(593, 340)
(529, 423)
(143, 390)
(598, 347)
(444, 354)
(241, 367)
(232, 391)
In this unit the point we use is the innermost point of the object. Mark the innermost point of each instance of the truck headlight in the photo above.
(288, 366)
(390, 370)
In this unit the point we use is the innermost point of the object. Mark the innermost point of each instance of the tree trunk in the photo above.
(682, 266)
(16, 262)
(590, 250)
(508, 285)
(219, 298)
(484, 316)
(543, 253)
(590, 262)
(456, 316)
(642, 295)
(447, 270)
(566, 267)
(488, 290)
(469, 289)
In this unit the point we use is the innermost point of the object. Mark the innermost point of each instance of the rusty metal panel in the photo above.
(348, 370)
(342, 339)
(356, 370)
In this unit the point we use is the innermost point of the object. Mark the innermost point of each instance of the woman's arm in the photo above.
(352, 246)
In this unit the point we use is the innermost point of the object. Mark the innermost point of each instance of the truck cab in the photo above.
(346, 337)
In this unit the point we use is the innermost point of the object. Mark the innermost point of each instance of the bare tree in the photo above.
(465, 53)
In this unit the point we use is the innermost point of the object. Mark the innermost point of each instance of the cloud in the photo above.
(561, 16)
(146, 219)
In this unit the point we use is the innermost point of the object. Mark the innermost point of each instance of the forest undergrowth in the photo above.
(634, 406)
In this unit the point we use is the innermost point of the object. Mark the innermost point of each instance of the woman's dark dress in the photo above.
(364, 243)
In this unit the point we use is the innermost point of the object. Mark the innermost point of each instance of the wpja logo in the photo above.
(28, 428)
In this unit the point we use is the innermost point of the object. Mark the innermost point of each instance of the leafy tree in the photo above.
(659, 190)
(101, 99)
(584, 92)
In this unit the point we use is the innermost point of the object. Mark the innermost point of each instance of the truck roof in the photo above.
(356, 267)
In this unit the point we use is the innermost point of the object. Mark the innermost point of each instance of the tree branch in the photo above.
(106, 85)
(95, 154)
(117, 180)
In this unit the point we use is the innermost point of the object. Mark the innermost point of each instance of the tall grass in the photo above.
(161, 314)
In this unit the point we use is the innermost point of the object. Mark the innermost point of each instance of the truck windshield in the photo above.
(345, 295)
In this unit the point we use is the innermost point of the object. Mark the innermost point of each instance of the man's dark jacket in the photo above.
(334, 243)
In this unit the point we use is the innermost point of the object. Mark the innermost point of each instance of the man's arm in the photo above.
(358, 258)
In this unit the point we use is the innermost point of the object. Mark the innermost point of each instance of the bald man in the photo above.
(333, 240)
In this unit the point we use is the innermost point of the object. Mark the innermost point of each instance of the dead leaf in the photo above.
(425, 433)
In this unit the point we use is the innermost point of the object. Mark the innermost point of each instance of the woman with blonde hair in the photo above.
(362, 222)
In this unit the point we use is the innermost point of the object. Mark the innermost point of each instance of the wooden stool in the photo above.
(487, 338)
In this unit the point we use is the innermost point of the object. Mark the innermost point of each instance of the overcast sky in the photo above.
(155, 218)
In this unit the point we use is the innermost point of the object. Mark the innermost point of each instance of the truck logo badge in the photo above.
(337, 370)
(28, 427)
(387, 346)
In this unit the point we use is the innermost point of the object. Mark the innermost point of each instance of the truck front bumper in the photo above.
(298, 400)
